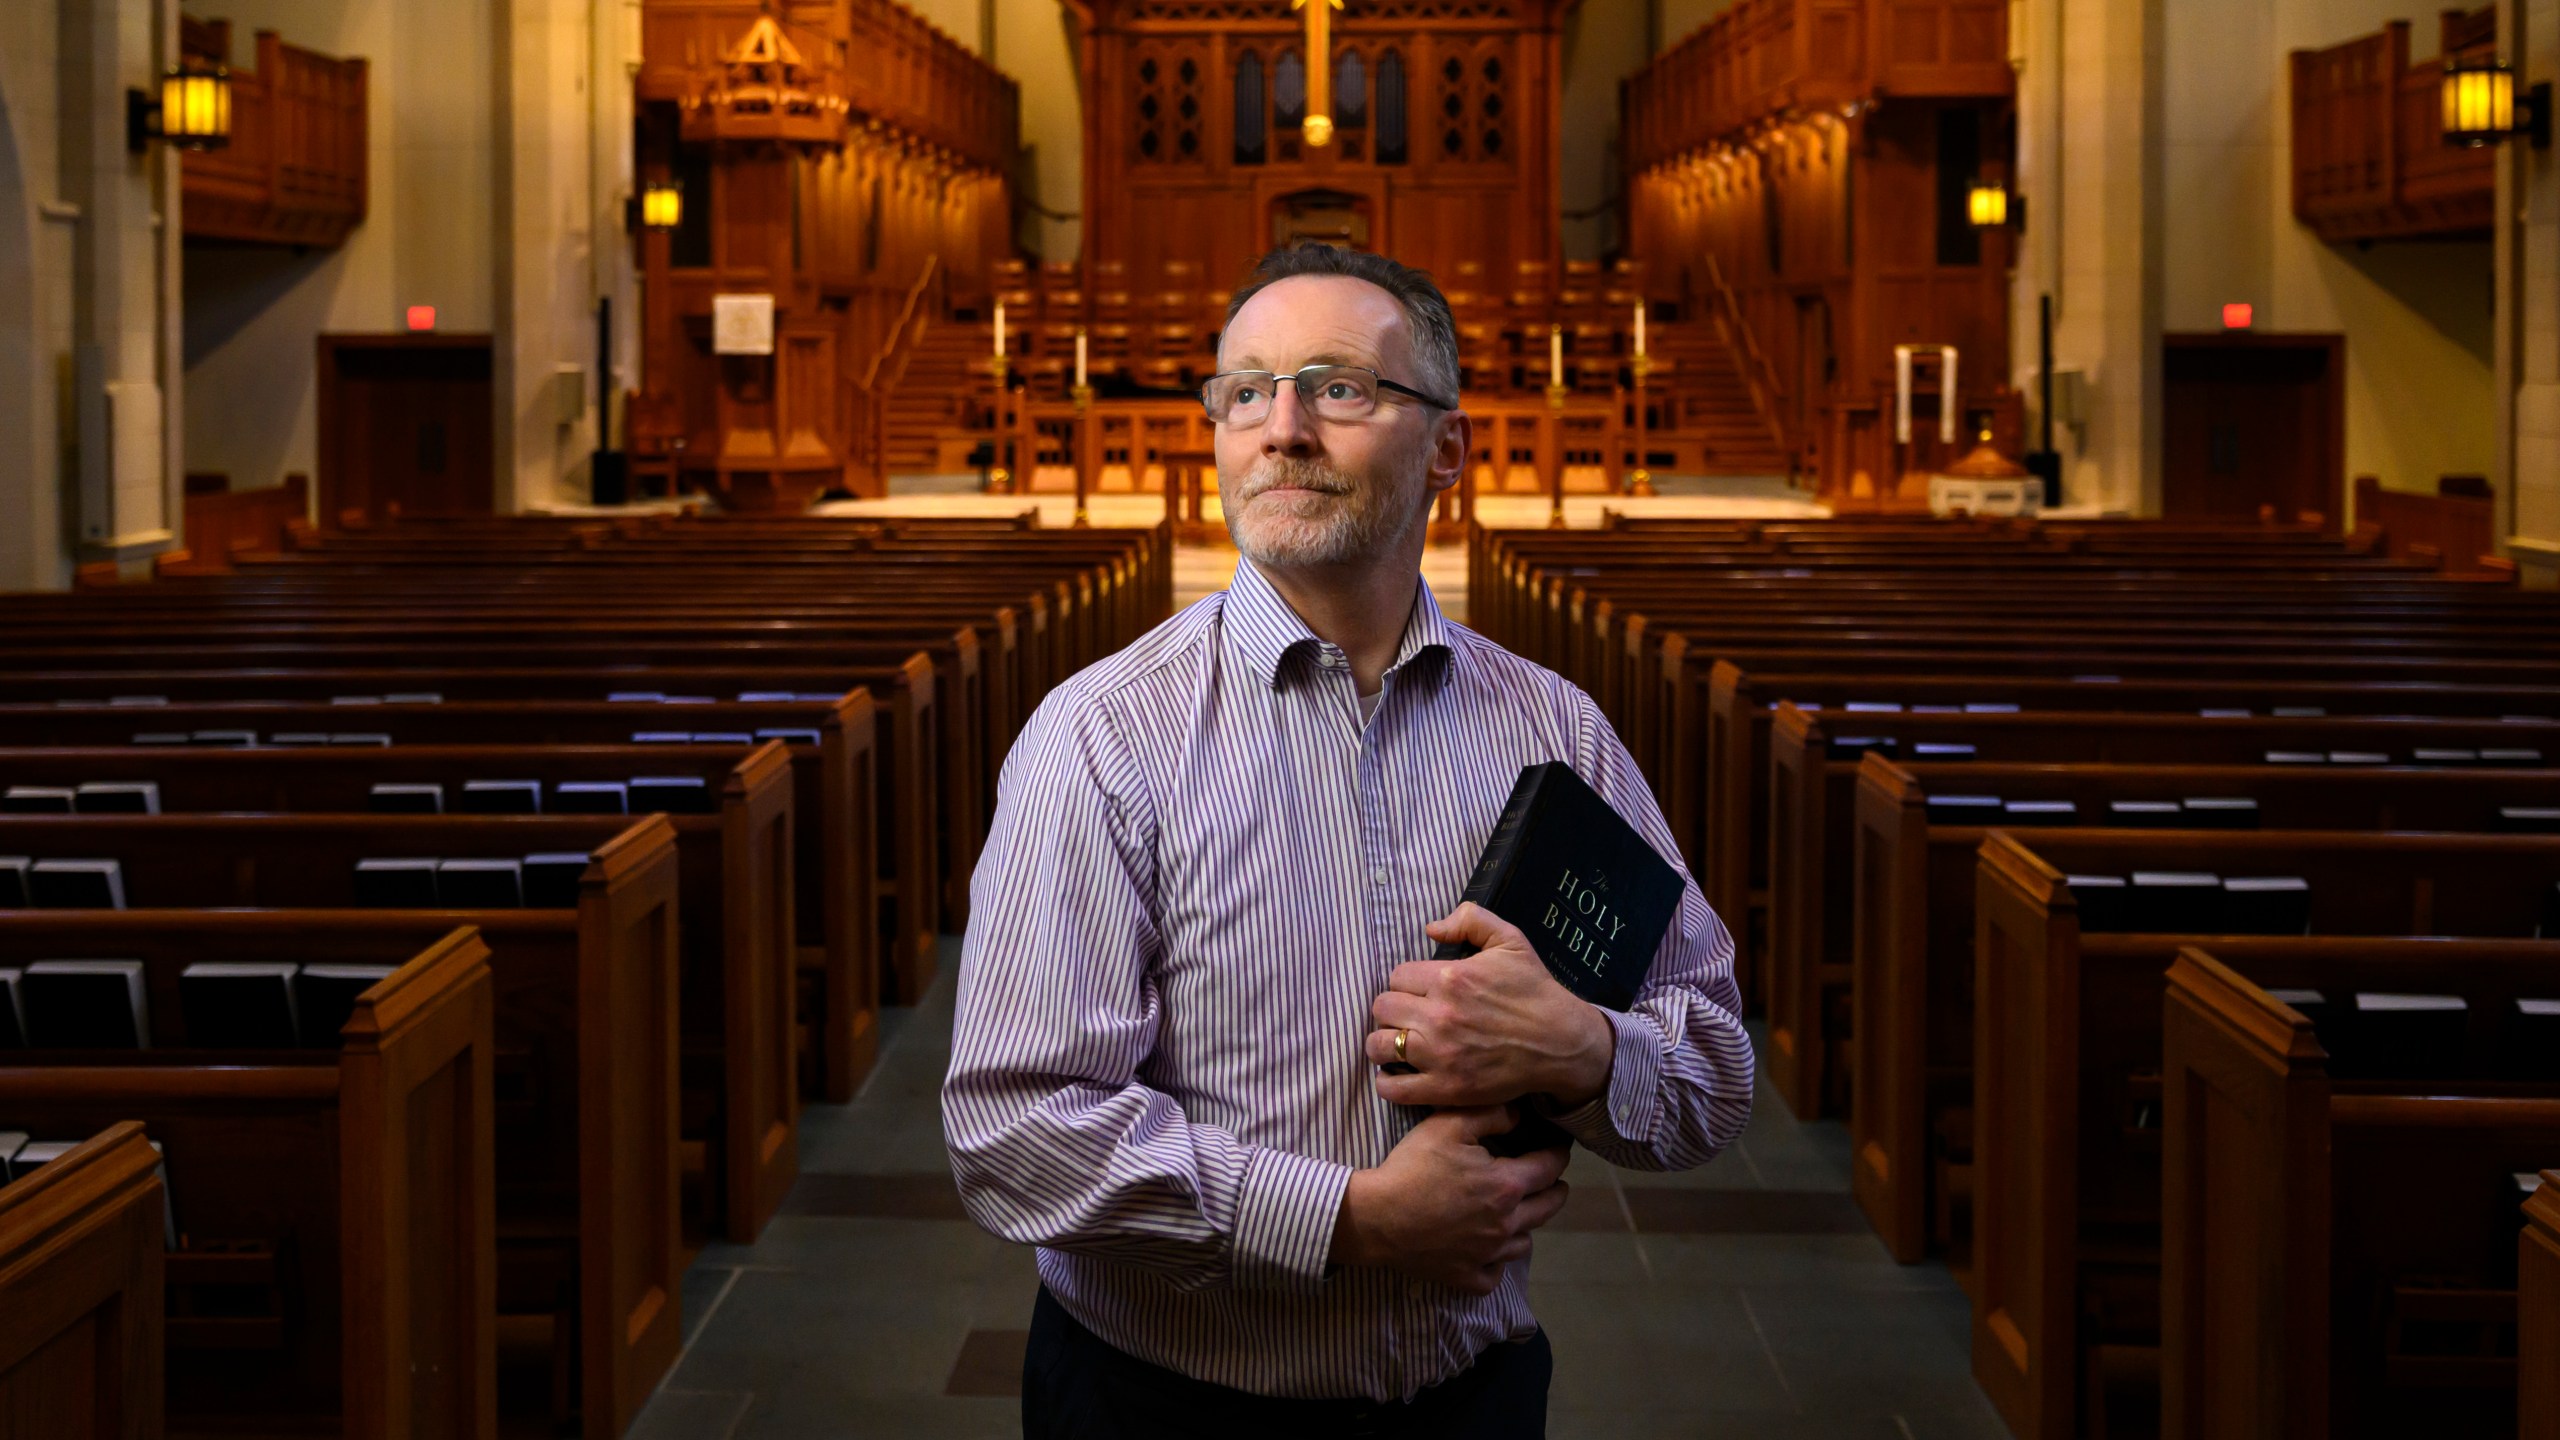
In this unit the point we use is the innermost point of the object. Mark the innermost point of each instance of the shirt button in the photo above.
(1379, 874)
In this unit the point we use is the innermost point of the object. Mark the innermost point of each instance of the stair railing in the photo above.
(906, 332)
(888, 366)
(1758, 375)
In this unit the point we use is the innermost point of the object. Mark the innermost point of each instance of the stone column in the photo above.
(31, 554)
(2089, 164)
(124, 366)
(564, 161)
(2527, 238)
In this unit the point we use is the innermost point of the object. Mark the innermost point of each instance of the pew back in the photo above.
(81, 1245)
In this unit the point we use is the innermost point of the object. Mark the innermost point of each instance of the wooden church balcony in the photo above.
(2370, 160)
(1771, 60)
(295, 170)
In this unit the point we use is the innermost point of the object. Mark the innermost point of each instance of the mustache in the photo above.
(1276, 474)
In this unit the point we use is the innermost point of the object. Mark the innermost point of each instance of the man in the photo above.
(1199, 932)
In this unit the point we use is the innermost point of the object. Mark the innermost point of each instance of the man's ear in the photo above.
(1452, 448)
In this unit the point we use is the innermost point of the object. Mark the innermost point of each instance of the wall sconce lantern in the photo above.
(193, 111)
(662, 205)
(1992, 207)
(2481, 106)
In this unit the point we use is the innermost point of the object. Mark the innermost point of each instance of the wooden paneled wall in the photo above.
(1195, 163)
(295, 172)
(1809, 158)
(905, 213)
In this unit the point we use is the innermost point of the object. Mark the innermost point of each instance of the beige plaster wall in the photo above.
(1036, 44)
(254, 313)
(2418, 317)
(1604, 42)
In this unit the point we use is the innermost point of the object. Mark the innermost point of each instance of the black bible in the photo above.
(1591, 895)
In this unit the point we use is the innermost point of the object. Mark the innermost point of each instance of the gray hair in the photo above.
(1426, 310)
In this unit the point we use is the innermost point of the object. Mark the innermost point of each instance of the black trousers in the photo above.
(1077, 1387)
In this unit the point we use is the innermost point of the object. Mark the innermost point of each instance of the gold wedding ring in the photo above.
(1400, 1039)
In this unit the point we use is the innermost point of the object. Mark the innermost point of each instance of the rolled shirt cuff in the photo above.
(1623, 1113)
(1285, 1216)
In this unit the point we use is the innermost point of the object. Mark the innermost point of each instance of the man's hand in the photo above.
(1488, 1029)
(1443, 1208)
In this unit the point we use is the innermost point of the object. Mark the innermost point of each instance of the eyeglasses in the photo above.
(1241, 399)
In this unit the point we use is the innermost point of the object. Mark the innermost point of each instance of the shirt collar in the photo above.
(1268, 632)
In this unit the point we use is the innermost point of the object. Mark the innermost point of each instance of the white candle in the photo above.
(1639, 329)
(1947, 405)
(999, 327)
(1902, 394)
(1555, 354)
(1079, 355)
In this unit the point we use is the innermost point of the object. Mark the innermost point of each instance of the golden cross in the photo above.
(1317, 129)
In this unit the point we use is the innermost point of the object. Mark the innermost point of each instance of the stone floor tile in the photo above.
(1691, 1347)
(1744, 1299)
(676, 1414)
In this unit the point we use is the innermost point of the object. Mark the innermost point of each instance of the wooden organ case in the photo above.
(1196, 160)
(842, 157)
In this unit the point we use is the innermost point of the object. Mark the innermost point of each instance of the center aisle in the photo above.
(1746, 1298)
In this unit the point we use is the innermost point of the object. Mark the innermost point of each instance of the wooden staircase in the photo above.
(940, 408)
(1709, 424)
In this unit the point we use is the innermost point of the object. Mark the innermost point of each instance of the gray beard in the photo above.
(1341, 527)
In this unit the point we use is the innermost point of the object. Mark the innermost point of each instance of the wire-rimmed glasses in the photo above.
(1241, 399)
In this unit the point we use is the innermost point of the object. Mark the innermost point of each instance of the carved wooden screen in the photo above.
(1197, 159)
(903, 210)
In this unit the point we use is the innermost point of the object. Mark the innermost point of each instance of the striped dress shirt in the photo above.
(1203, 865)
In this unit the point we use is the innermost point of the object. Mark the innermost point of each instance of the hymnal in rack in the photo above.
(326, 996)
(86, 1005)
(239, 1004)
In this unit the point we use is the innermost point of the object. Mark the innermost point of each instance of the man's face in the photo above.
(1298, 490)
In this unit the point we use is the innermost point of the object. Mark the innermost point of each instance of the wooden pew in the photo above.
(81, 1247)
(927, 827)
(857, 770)
(1911, 923)
(1718, 785)
(733, 917)
(2538, 1317)
(349, 1192)
(1741, 705)
(2064, 1206)
(1810, 823)
(833, 885)
(585, 1086)
(2315, 1230)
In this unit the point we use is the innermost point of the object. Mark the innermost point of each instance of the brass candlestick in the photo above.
(1556, 393)
(1640, 479)
(999, 477)
(1088, 454)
